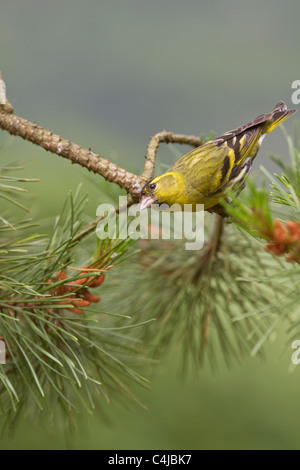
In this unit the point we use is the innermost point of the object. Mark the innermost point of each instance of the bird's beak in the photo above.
(146, 201)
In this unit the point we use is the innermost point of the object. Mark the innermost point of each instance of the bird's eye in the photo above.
(152, 186)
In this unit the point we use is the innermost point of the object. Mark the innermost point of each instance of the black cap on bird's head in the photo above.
(147, 196)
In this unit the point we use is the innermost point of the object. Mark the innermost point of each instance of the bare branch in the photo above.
(167, 138)
(30, 131)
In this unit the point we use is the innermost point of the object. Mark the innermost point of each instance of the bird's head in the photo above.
(148, 194)
(163, 189)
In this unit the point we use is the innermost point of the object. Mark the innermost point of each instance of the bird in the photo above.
(203, 175)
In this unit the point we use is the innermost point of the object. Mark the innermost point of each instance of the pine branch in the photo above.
(273, 218)
(6, 189)
(60, 352)
(232, 296)
(203, 295)
(223, 301)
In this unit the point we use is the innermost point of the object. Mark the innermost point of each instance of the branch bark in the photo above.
(167, 138)
(55, 144)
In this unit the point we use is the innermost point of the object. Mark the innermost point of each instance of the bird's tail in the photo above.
(278, 114)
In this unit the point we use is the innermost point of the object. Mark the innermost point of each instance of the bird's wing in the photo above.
(225, 160)
(213, 165)
(241, 142)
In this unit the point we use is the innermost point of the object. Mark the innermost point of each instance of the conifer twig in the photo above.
(167, 138)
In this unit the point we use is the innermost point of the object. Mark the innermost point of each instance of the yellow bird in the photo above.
(203, 175)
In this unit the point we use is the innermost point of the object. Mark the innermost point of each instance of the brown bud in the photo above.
(274, 249)
(280, 234)
(97, 281)
(294, 230)
(78, 311)
(92, 298)
(80, 303)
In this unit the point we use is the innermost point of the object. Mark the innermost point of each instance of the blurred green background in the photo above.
(108, 75)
